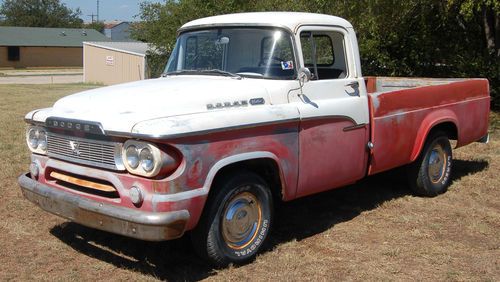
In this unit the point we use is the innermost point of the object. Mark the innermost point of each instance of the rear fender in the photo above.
(430, 121)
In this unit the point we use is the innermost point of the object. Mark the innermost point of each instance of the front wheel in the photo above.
(236, 221)
(430, 174)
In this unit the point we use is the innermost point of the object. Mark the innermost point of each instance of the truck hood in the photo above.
(120, 107)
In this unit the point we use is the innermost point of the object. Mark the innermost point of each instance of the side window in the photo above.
(306, 41)
(324, 54)
(324, 50)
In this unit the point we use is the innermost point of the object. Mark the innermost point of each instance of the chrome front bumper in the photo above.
(150, 226)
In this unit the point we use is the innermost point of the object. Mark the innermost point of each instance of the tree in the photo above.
(39, 13)
(99, 26)
(426, 38)
(488, 13)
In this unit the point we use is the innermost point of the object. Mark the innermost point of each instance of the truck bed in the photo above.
(404, 110)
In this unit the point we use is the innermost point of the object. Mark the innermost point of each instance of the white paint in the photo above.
(162, 198)
(289, 20)
(172, 100)
(178, 104)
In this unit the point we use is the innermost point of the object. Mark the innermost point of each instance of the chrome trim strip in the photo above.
(354, 127)
(326, 117)
(151, 226)
(196, 133)
(34, 122)
(80, 125)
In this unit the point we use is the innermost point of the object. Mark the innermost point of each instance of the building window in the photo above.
(13, 53)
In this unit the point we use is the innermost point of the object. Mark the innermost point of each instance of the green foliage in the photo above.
(427, 38)
(156, 61)
(39, 13)
(99, 26)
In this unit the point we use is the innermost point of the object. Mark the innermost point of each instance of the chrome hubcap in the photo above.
(241, 220)
(437, 164)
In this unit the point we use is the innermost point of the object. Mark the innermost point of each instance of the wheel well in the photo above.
(448, 127)
(264, 167)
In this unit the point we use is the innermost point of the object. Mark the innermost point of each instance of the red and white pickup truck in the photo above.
(252, 108)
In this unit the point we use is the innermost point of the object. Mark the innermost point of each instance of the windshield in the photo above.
(249, 52)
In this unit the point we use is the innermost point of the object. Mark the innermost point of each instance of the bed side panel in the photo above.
(402, 119)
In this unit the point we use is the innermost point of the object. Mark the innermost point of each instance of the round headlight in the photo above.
(147, 160)
(33, 138)
(132, 156)
(42, 140)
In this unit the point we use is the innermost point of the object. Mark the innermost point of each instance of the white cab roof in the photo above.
(291, 20)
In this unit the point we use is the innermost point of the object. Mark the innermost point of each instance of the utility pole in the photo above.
(92, 16)
(97, 10)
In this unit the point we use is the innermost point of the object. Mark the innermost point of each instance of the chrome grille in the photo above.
(91, 152)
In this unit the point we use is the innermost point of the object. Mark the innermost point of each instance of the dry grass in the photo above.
(374, 230)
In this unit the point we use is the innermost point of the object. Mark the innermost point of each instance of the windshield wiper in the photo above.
(179, 72)
(194, 72)
(221, 72)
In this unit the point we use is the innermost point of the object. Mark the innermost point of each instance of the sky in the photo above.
(109, 10)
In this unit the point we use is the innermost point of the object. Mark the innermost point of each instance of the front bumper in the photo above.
(150, 226)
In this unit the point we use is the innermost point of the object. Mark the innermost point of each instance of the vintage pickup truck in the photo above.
(252, 108)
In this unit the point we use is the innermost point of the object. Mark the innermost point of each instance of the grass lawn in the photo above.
(374, 230)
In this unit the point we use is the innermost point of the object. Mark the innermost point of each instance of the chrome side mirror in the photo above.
(304, 75)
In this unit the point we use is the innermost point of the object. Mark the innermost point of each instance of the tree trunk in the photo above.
(497, 33)
(489, 26)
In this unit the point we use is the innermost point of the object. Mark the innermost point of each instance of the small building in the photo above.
(24, 47)
(117, 31)
(114, 62)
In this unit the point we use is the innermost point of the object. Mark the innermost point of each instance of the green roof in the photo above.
(48, 37)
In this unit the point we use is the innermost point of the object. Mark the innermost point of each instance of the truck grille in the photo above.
(97, 153)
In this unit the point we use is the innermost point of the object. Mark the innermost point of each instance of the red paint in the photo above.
(371, 84)
(402, 119)
(329, 156)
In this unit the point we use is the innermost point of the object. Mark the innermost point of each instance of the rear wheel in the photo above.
(430, 174)
(236, 221)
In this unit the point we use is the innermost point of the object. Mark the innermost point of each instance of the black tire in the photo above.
(242, 207)
(430, 174)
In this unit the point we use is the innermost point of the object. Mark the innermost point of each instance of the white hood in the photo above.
(120, 107)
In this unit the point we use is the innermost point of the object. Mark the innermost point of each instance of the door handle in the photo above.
(353, 84)
(355, 88)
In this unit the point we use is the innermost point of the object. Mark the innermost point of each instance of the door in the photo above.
(333, 106)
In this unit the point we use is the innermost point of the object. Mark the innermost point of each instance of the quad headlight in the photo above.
(36, 137)
(146, 159)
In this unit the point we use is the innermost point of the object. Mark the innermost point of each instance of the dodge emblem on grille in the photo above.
(75, 147)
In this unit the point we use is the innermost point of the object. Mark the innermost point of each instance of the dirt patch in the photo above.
(374, 230)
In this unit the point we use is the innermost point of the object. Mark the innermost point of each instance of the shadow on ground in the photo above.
(296, 220)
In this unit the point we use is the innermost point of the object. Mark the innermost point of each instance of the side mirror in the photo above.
(304, 75)
(222, 41)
